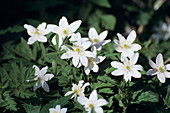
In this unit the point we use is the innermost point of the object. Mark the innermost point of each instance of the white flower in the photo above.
(58, 109)
(64, 29)
(98, 40)
(78, 90)
(92, 103)
(159, 68)
(79, 53)
(92, 62)
(125, 46)
(41, 78)
(127, 68)
(162, 31)
(76, 38)
(37, 33)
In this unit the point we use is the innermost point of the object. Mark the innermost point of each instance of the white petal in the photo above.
(68, 93)
(75, 25)
(84, 61)
(136, 74)
(161, 77)
(116, 41)
(116, 64)
(134, 58)
(82, 100)
(54, 40)
(93, 49)
(67, 55)
(75, 37)
(75, 61)
(80, 83)
(95, 68)
(86, 45)
(53, 28)
(86, 70)
(103, 35)
(118, 48)
(105, 42)
(52, 110)
(138, 67)
(123, 56)
(117, 72)
(151, 72)
(63, 22)
(98, 110)
(127, 77)
(93, 96)
(131, 37)
(44, 70)
(30, 29)
(152, 64)
(42, 38)
(37, 70)
(37, 85)
(121, 38)
(101, 58)
(63, 110)
(89, 54)
(31, 40)
(101, 102)
(57, 108)
(159, 59)
(167, 74)
(167, 66)
(45, 87)
(42, 26)
(48, 77)
(93, 33)
(136, 47)
(86, 84)
(60, 41)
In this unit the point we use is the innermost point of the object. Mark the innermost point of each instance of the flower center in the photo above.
(65, 32)
(95, 40)
(76, 91)
(160, 69)
(125, 45)
(39, 78)
(90, 105)
(77, 49)
(36, 32)
(127, 67)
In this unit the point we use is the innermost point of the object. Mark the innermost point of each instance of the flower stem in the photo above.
(56, 66)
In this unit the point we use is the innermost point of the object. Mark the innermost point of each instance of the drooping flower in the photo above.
(92, 103)
(159, 68)
(98, 40)
(79, 53)
(127, 68)
(37, 34)
(78, 90)
(92, 62)
(64, 29)
(58, 109)
(41, 78)
(126, 47)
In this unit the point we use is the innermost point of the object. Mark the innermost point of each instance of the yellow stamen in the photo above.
(125, 46)
(77, 49)
(160, 69)
(95, 40)
(76, 91)
(36, 32)
(39, 78)
(65, 32)
(89, 60)
(127, 67)
(90, 105)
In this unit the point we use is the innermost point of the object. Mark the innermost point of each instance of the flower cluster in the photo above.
(83, 52)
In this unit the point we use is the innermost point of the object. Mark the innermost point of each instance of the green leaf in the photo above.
(102, 3)
(108, 22)
(167, 98)
(14, 29)
(31, 109)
